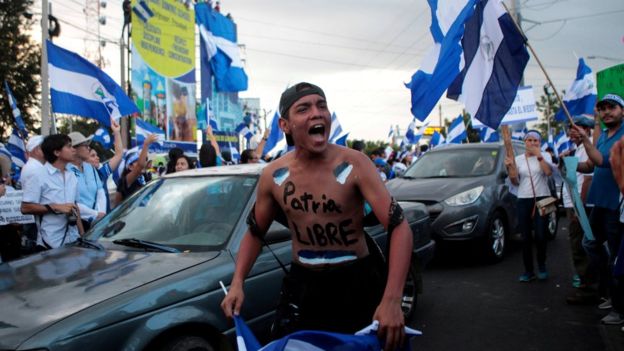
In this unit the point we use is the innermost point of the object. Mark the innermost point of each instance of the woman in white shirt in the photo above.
(530, 172)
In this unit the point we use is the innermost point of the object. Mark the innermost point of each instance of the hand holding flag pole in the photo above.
(526, 41)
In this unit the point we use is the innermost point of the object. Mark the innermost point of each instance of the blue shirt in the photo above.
(88, 184)
(604, 192)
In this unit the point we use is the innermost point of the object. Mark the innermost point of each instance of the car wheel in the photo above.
(188, 343)
(496, 236)
(410, 295)
(553, 223)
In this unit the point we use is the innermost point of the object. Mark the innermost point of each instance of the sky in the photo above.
(361, 52)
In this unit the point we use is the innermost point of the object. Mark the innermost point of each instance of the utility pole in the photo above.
(45, 88)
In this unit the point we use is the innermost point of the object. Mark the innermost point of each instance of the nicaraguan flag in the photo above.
(276, 140)
(518, 134)
(103, 137)
(442, 64)
(142, 11)
(336, 134)
(457, 131)
(494, 61)
(127, 156)
(489, 135)
(234, 153)
(562, 143)
(210, 116)
(420, 132)
(243, 129)
(391, 132)
(19, 121)
(581, 97)
(219, 36)
(17, 148)
(544, 145)
(436, 139)
(78, 87)
(144, 128)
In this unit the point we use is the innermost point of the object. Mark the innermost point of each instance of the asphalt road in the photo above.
(469, 305)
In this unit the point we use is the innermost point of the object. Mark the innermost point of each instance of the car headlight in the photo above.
(465, 198)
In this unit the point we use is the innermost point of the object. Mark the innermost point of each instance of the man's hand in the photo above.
(391, 323)
(208, 130)
(267, 131)
(114, 125)
(617, 163)
(63, 208)
(233, 301)
(151, 139)
(580, 132)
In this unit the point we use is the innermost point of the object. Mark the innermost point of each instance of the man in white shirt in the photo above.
(52, 195)
(35, 163)
(579, 256)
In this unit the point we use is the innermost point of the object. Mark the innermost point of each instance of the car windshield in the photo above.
(186, 213)
(454, 163)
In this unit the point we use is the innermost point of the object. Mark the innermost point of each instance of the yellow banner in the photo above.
(166, 40)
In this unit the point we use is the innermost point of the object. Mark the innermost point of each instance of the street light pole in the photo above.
(45, 89)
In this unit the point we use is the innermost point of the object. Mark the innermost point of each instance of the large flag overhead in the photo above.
(442, 64)
(494, 60)
(78, 87)
(219, 36)
(19, 121)
(457, 131)
(581, 97)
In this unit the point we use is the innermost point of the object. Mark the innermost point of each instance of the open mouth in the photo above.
(317, 129)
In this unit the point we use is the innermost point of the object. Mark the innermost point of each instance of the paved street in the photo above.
(467, 305)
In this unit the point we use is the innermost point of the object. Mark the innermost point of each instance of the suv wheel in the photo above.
(188, 343)
(496, 236)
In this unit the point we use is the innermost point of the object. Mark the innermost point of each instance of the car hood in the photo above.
(431, 189)
(42, 289)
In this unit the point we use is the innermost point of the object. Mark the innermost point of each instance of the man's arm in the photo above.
(512, 170)
(592, 152)
(116, 159)
(260, 148)
(617, 163)
(263, 213)
(388, 313)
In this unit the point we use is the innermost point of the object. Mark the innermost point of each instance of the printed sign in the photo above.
(10, 212)
(522, 110)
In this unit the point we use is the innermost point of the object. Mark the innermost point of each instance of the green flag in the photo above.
(610, 81)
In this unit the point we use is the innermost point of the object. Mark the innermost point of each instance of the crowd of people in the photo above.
(597, 145)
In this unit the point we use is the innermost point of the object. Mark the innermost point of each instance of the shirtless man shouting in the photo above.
(335, 283)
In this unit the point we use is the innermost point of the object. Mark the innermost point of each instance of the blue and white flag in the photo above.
(489, 135)
(19, 121)
(443, 63)
(420, 132)
(494, 60)
(142, 11)
(276, 141)
(17, 148)
(219, 36)
(410, 135)
(210, 116)
(436, 139)
(457, 131)
(581, 97)
(336, 134)
(103, 137)
(313, 340)
(234, 153)
(144, 128)
(391, 132)
(562, 143)
(128, 156)
(518, 134)
(78, 87)
(243, 129)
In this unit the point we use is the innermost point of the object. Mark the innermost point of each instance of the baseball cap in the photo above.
(380, 162)
(33, 142)
(78, 139)
(611, 98)
(296, 92)
(583, 121)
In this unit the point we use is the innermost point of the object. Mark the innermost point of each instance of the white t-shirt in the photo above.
(30, 169)
(50, 186)
(540, 180)
(581, 153)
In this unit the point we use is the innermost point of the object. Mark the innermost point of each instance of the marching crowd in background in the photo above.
(65, 188)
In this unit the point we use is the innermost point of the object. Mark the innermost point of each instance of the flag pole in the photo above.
(526, 41)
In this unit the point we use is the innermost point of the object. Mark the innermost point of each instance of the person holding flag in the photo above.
(131, 178)
(336, 283)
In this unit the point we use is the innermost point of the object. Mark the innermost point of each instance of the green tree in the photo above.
(19, 64)
(548, 105)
